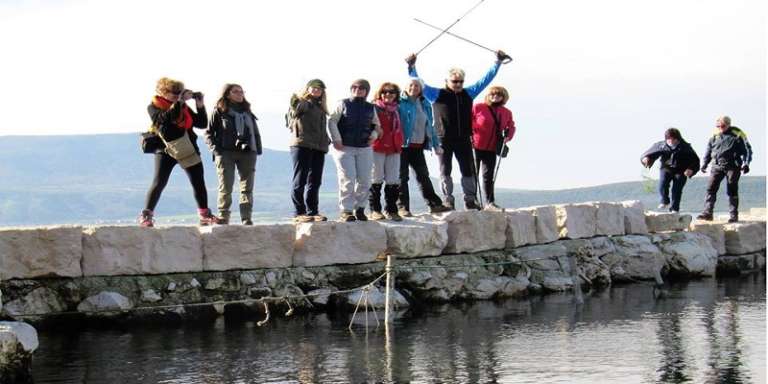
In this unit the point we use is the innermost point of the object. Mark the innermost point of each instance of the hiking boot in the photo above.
(347, 216)
(469, 205)
(303, 219)
(319, 217)
(663, 207)
(404, 212)
(394, 216)
(247, 222)
(493, 207)
(448, 205)
(376, 215)
(207, 218)
(440, 209)
(706, 216)
(146, 219)
(733, 219)
(360, 214)
(224, 217)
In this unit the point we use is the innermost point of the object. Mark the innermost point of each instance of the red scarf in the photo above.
(185, 117)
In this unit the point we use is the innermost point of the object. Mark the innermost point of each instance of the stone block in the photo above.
(609, 219)
(666, 221)
(546, 223)
(27, 253)
(521, 228)
(635, 257)
(328, 243)
(744, 237)
(247, 247)
(112, 250)
(475, 231)
(715, 232)
(634, 218)
(576, 221)
(740, 264)
(416, 238)
(690, 254)
(39, 302)
(105, 302)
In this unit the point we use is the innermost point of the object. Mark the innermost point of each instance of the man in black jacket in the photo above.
(728, 150)
(679, 162)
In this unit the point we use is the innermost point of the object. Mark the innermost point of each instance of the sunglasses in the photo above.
(496, 94)
(457, 81)
(389, 92)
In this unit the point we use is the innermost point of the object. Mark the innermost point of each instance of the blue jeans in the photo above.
(307, 172)
(677, 180)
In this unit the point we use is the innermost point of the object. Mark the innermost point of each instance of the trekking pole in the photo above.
(477, 178)
(443, 31)
(499, 155)
(506, 59)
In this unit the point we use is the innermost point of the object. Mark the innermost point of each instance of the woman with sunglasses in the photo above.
(492, 128)
(172, 118)
(386, 154)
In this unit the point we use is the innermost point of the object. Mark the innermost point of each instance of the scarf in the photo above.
(184, 121)
(391, 110)
(243, 121)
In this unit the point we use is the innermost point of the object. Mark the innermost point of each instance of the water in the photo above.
(707, 331)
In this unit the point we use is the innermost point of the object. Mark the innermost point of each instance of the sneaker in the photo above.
(394, 216)
(404, 212)
(706, 216)
(674, 211)
(440, 209)
(663, 207)
(247, 222)
(347, 216)
(319, 217)
(733, 219)
(449, 206)
(303, 219)
(207, 218)
(146, 219)
(376, 215)
(493, 207)
(360, 214)
(471, 205)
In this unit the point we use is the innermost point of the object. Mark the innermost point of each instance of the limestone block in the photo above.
(40, 301)
(744, 237)
(690, 253)
(758, 213)
(475, 231)
(609, 219)
(415, 238)
(549, 266)
(328, 243)
(576, 221)
(546, 223)
(635, 257)
(666, 221)
(105, 302)
(521, 228)
(27, 253)
(247, 247)
(634, 218)
(739, 264)
(18, 342)
(112, 250)
(715, 232)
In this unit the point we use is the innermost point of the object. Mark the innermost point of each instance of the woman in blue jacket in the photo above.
(418, 134)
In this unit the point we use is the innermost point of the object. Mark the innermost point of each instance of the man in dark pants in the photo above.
(679, 162)
(728, 150)
(452, 106)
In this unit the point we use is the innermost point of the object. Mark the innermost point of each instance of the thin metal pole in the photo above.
(506, 59)
(388, 291)
(443, 31)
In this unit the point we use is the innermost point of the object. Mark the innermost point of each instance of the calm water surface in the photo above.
(707, 331)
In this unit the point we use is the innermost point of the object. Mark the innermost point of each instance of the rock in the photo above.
(634, 218)
(588, 253)
(666, 221)
(18, 341)
(105, 302)
(715, 232)
(150, 296)
(194, 283)
(247, 278)
(214, 284)
(576, 221)
(229, 247)
(548, 265)
(40, 301)
(376, 298)
(609, 219)
(690, 254)
(546, 223)
(499, 286)
(319, 297)
(744, 237)
(172, 286)
(412, 238)
(635, 257)
(475, 231)
(739, 264)
(27, 253)
(111, 251)
(521, 228)
(328, 243)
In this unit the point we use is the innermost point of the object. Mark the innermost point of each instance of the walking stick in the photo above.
(443, 31)
(500, 155)
(506, 59)
(477, 179)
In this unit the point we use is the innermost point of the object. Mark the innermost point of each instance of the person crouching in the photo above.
(679, 162)
(386, 154)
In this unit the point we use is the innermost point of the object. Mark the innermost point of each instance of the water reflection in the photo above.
(705, 331)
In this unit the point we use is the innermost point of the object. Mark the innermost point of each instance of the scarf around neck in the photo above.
(391, 110)
(184, 121)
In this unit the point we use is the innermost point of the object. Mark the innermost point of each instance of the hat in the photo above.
(362, 83)
(316, 83)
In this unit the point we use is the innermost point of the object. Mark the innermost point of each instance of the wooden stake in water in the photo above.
(389, 290)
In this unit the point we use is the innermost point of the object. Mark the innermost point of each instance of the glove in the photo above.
(411, 59)
(745, 169)
(703, 169)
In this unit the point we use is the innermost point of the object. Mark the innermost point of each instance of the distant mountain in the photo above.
(94, 179)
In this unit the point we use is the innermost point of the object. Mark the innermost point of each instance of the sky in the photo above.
(593, 83)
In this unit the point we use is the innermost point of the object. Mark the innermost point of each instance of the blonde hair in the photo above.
(377, 95)
(499, 89)
(166, 84)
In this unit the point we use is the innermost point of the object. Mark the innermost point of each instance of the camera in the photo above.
(197, 95)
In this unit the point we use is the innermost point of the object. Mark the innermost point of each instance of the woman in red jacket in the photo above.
(386, 154)
(492, 127)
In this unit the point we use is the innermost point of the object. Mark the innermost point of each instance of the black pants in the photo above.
(414, 158)
(163, 166)
(485, 163)
(463, 152)
(307, 172)
(677, 181)
(731, 177)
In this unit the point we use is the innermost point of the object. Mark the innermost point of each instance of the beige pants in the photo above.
(245, 164)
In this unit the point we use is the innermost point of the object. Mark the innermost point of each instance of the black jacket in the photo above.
(675, 160)
(727, 150)
(453, 115)
(165, 122)
(221, 134)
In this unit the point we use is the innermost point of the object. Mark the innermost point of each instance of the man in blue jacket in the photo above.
(452, 106)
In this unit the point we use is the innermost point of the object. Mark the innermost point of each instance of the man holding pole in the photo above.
(452, 106)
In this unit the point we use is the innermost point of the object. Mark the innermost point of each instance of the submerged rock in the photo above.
(18, 341)
(105, 302)
(690, 254)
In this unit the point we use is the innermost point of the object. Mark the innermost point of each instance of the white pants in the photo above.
(386, 168)
(353, 166)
